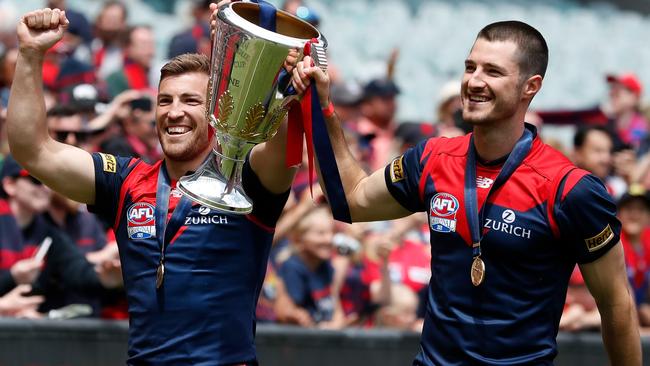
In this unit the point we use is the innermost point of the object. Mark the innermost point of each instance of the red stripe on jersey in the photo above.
(257, 222)
(123, 191)
(178, 233)
(571, 181)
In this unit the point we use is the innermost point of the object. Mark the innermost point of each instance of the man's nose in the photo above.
(476, 81)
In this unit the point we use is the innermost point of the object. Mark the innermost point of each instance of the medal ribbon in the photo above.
(307, 118)
(164, 231)
(473, 214)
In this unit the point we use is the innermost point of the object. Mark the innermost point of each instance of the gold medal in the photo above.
(160, 274)
(478, 271)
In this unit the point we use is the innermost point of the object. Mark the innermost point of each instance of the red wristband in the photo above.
(329, 110)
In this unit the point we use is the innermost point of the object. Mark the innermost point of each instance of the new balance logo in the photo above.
(483, 182)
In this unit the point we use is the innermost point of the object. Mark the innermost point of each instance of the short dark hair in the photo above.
(186, 63)
(583, 131)
(532, 48)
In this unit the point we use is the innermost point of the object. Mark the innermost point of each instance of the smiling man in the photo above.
(509, 217)
(192, 283)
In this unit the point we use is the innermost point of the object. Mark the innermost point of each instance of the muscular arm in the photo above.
(54, 163)
(368, 196)
(607, 281)
(268, 162)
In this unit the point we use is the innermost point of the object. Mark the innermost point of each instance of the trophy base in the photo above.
(234, 202)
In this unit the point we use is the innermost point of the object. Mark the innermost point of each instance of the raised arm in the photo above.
(55, 164)
(607, 282)
(367, 195)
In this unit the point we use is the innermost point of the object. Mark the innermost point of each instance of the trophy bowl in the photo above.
(249, 95)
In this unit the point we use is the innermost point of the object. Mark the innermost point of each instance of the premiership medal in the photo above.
(160, 274)
(478, 271)
(164, 231)
(473, 213)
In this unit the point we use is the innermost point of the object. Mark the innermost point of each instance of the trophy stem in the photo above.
(211, 188)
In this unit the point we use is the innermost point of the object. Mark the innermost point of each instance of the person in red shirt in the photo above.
(634, 213)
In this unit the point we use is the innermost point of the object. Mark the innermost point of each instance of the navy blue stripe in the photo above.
(474, 216)
(327, 161)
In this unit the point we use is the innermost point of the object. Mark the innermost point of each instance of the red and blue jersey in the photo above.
(12, 246)
(637, 260)
(544, 219)
(310, 289)
(204, 312)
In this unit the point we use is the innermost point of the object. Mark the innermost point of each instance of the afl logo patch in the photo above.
(442, 213)
(141, 222)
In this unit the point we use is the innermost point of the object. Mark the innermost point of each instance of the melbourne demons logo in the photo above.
(442, 215)
(141, 223)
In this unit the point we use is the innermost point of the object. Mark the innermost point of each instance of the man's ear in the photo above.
(9, 186)
(532, 86)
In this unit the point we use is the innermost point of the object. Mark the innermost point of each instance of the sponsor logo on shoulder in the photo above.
(141, 222)
(396, 170)
(596, 242)
(109, 163)
(442, 213)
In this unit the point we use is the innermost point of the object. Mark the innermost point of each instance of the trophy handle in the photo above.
(319, 56)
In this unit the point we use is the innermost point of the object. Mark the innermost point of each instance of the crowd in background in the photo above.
(101, 87)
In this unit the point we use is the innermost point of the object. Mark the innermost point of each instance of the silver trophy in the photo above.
(249, 97)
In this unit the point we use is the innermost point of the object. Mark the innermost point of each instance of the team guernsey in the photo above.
(203, 311)
(546, 217)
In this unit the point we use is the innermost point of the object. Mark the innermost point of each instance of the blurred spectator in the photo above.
(309, 15)
(7, 65)
(70, 60)
(377, 123)
(580, 311)
(197, 38)
(138, 56)
(623, 108)
(18, 303)
(634, 213)
(265, 308)
(409, 134)
(360, 295)
(346, 97)
(450, 121)
(4, 146)
(138, 137)
(307, 275)
(592, 151)
(78, 22)
(66, 125)
(63, 269)
(162, 6)
(107, 46)
(400, 313)
(403, 250)
(302, 11)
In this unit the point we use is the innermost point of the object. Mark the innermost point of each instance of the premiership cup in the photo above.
(249, 95)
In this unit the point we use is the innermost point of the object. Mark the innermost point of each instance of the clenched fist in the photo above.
(41, 29)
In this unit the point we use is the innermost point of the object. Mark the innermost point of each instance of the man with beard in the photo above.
(191, 284)
(509, 217)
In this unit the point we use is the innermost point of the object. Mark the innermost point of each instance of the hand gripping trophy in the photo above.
(249, 94)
